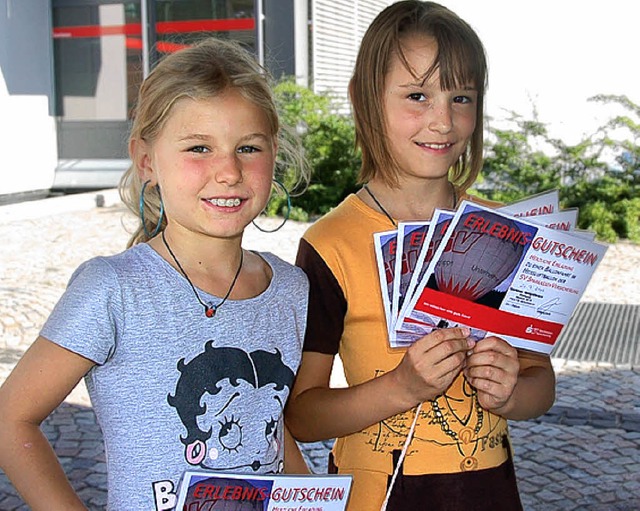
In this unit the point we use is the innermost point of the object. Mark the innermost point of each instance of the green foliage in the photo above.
(599, 217)
(513, 168)
(328, 139)
(600, 175)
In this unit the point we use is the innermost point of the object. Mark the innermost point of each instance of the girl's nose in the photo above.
(228, 170)
(441, 119)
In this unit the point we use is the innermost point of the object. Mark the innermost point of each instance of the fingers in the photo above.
(443, 345)
(492, 368)
(442, 350)
(431, 364)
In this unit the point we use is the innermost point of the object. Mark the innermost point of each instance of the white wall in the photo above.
(555, 54)
(27, 143)
(338, 27)
(28, 152)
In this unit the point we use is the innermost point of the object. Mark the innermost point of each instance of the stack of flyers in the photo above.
(517, 272)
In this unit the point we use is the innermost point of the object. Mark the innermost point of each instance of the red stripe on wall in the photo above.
(163, 27)
(97, 30)
(166, 47)
(226, 25)
(162, 46)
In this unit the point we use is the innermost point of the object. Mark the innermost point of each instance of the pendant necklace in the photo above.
(386, 213)
(209, 308)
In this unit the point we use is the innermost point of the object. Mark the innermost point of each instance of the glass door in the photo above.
(97, 55)
(99, 62)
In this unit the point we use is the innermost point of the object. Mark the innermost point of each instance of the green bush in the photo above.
(512, 167)
(328, 138)
(525, 160)
(599, 217)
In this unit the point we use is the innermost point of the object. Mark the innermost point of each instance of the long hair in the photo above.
(203, 71)
(460, 61)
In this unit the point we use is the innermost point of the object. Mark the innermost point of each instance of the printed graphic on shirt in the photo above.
(455, 421)
(231, 404)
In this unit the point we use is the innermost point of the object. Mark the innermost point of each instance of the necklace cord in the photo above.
(386, 213)
(209, 308)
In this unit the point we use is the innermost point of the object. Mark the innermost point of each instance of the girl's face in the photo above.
(214, 161)
(427, 128)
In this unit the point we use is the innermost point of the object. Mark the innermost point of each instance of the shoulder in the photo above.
(123, 270)
(335, 222)
(122, 259)
(284, 271)
(346, 230)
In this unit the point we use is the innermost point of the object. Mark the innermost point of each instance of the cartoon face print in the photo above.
(231, 403)
(240, 438)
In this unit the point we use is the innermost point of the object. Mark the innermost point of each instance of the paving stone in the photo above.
(606, 497)
(549, 496)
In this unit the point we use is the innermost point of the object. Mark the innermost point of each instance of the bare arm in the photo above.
(39, 383)
(317, 412)
(293, 461)
(516, 384)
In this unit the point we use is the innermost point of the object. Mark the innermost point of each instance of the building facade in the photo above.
(70, 71)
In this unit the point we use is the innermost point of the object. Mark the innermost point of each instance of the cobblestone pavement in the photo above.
(582, 455)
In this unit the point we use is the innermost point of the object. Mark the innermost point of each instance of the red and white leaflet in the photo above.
(411, 236)
(385, 246)
(563, 220)
(436, 230)
(502, 275)
(205, 490)
(543, 203)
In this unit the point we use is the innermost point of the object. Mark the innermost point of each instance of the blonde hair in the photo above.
(460, 61)
(202, 71)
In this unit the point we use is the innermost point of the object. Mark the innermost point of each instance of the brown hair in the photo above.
(202, 71)
(460, 61)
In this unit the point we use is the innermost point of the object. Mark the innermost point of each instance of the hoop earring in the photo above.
(141, 210)
(286, 216)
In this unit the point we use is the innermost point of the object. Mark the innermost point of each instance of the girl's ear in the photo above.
(140, 154)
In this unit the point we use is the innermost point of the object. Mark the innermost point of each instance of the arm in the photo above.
(516, 384)
(293, 461)
(45, 375)
(317, 412)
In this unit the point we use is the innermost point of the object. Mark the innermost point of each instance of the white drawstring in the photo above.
(407, 442)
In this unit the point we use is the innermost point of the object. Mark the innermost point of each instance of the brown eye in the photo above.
(462, 100)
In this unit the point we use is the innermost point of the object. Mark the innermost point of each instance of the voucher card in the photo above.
(211, 491)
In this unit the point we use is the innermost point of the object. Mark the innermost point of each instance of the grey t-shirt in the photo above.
(172, 389)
